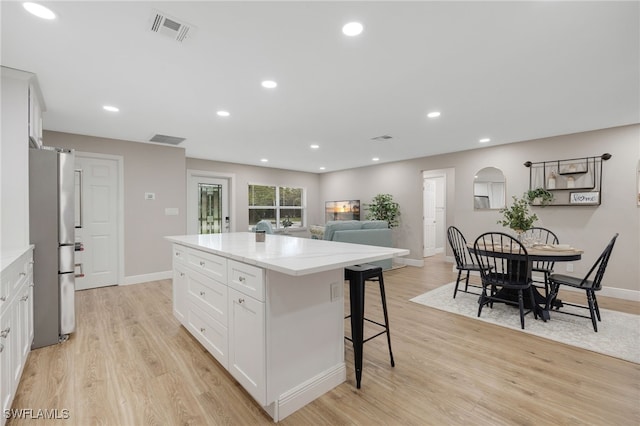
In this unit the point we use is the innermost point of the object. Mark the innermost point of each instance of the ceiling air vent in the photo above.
(171, 140)
(382, 138)
(169, 26)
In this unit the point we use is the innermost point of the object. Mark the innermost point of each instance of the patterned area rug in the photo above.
(618, 333)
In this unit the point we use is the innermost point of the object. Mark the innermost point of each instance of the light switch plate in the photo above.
(149, 195)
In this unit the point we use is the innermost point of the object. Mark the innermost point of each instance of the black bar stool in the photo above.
(357, 276)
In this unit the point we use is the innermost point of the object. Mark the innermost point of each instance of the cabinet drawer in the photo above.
(209, 294)
(179, 254)
(247, 279)
(208, 264)
(210, 333)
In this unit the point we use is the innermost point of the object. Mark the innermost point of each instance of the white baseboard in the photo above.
(418, 263)
(144, 278)
(296, 398)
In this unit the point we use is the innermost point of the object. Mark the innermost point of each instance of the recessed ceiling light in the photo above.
(110, 108)
(375, 159)
(484, 140)
(223, 113)
(322, 168)
(314, 146)
(269, 84)
(352, 29)
(434, 114)
(264, 160)
(39, 10)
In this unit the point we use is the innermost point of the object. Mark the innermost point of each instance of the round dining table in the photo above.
(536, 253)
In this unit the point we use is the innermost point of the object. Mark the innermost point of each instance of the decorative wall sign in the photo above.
(584, 198)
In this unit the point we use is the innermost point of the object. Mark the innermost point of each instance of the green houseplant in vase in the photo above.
(383, 207)
(517, 216)
(539, 197)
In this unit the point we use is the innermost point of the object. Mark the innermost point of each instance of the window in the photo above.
(275, 204)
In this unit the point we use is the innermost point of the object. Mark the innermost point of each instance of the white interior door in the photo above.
(429, 216)
(208, 205)
(97, 222)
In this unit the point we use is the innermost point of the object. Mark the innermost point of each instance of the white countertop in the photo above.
(288, 255)
(7, 257)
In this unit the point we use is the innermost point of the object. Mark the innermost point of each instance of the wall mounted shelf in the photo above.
(574, 181)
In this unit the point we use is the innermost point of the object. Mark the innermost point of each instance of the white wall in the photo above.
(589, 228)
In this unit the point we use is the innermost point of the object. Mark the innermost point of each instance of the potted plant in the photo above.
(383, 207)
(286, 223)
(518, 217)
(539, 197)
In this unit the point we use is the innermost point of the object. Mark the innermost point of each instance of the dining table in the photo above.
(536, 253)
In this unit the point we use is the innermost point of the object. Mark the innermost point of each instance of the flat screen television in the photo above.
(342, 210)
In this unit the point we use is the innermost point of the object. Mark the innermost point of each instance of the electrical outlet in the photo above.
(335, 291)
(569, 267)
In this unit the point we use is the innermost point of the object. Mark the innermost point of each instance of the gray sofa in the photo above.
(369, 232)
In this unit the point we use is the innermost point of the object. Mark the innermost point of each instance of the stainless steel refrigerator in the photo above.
(52, 231)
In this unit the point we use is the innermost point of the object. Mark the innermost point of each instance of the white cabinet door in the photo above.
(247, 353)
(6, 378)
(180, 290)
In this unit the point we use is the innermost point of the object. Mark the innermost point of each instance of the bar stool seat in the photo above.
(358, 275)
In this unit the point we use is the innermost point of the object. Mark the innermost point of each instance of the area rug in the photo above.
(618, 333)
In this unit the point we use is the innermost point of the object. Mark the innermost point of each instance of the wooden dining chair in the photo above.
(505, 270)
(464, 259)
(541, 235)
(588, 284)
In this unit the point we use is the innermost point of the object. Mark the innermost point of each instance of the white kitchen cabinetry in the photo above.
(247, 357)
(35, 115)
(179, 282)
(14, 154)
(16, 321)
(280, 337)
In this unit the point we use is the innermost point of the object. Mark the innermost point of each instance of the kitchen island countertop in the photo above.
(285, 254)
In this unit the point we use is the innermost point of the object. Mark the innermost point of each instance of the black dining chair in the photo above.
(541, 235)
(505, 272)
(464, 260)
(590, 286)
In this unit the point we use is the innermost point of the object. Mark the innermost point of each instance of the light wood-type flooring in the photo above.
(131, 363)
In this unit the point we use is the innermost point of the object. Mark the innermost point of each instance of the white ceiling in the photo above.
(510, 71)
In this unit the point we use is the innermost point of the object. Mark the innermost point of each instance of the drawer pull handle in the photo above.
(202, 293)
(22, 274)
(182, 274)
(1, 348)
(203, 330)
(241, 301)
(202, 264)
(242, 279)
(177, 253)
(24, 298)
(4, 333)
(3, 298)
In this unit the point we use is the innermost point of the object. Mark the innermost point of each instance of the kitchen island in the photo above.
(272, 312)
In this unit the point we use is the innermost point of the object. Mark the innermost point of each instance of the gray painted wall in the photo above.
(589, 228)
(147, 168)
(160, 169)
(245, 175)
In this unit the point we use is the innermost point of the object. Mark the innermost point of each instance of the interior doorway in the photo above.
(98, 221)
(208, 202)
(434, 211)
